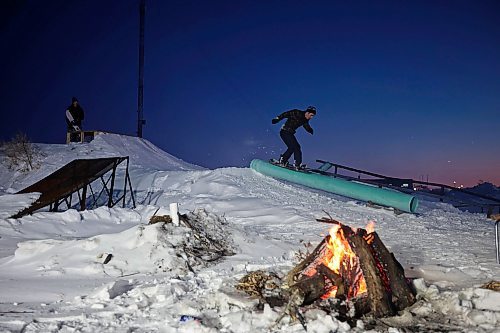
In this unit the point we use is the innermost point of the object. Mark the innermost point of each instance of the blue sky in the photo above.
(408, 89)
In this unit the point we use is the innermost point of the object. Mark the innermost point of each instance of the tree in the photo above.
(21, 154)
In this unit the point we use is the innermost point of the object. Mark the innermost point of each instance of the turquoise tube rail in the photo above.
(352, 189)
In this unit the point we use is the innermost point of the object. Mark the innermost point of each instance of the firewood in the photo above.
(361, 305)
(311, 288)
(329, 220)
(263, 285)
(335, 278)
(402, 295)
(492, 285)
(292, 276)
(379, 301)
(308, 290)
(160, 218)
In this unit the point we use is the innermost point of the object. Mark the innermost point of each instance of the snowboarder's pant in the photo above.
(293, 147)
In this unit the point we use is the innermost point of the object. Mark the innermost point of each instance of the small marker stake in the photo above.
(174, 213)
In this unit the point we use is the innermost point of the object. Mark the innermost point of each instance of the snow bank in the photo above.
(143, 156)
(142, 249)
(476, 307)
(142, 153)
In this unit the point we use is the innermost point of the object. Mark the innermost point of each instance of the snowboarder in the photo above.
(74, 118)
(295, 119)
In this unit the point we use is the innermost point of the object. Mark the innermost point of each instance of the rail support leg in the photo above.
(497, 240)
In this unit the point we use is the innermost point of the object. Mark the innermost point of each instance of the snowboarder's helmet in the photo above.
(73, 100)
(311, 109)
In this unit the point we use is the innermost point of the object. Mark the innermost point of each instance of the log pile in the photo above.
(370, 281)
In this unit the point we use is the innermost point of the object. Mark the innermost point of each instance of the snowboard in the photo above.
(70, 118)
(289, 166)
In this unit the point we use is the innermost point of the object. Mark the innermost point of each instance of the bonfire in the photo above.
(350, 272)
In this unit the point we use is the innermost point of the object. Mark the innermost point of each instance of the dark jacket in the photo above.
(295, 119)
(78, 115)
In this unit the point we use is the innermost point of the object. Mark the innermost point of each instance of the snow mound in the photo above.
(141, 152)
(475, 306)
(144, 156)
(487, 189)
(147, 249)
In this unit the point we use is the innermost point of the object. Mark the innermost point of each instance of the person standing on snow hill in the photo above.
(295, 119)
(74, 118)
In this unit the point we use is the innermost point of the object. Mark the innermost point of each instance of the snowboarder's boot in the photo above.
(282, 162)
(299, 167)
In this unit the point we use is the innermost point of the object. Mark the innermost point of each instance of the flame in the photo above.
(342, 260)
(370, 227)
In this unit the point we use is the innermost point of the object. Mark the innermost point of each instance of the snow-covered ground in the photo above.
(53, 277)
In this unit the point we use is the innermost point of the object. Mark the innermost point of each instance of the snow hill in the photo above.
(53, 277)
(472, 203)
(487, 189)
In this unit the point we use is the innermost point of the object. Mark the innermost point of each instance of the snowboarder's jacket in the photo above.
(77, 113)
(295, 119)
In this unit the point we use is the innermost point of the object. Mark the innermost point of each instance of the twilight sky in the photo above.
(403, 88)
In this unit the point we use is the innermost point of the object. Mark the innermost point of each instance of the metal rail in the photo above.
(327, 165)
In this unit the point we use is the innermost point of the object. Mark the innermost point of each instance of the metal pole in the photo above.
(110, 200)
(125, 184)
(140, 96)
(83, 199)
(497, 240)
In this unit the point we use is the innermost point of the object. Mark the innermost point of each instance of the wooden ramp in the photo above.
(82, 136)
(76, 177)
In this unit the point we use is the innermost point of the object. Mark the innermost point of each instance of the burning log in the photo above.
(294, 274)
(402, 295)
(311, 273)
(379, 301)
(307, 290)
(334, 278)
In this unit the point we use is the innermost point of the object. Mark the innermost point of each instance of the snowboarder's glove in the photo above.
(275, 120)
(311, 131)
